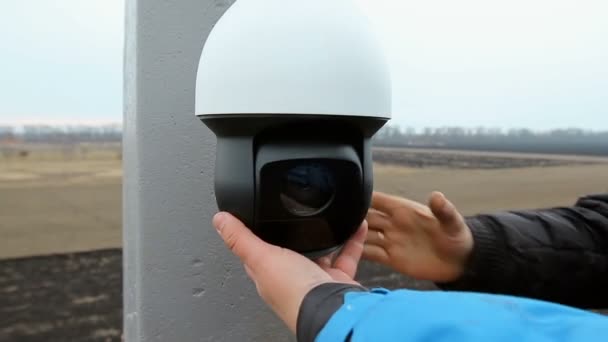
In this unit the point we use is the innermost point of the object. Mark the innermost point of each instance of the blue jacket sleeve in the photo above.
(416, 316)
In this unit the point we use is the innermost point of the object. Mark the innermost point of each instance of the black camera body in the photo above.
(299, 182)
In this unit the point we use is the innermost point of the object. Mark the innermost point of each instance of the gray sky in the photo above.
(521, 63)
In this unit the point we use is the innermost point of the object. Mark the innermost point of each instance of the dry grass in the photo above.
(474, 191)
(54, 201)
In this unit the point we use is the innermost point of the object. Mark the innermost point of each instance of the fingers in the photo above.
(377, 220)
(389, 204)
(446, 213)
(324, 262)
(349, 257)
(376, 237)
(240, 240)
(375, 253)
(384, 202)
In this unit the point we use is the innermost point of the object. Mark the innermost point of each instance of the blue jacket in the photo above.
(437, 316)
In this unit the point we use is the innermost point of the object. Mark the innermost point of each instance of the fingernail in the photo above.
(448, 210)
(446, 204)
(218, 221)
(444, 201)
(441, 196)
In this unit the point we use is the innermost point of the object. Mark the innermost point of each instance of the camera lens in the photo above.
(307, 189)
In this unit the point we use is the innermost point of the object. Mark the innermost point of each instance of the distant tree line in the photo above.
(568, 141)
(61, 134)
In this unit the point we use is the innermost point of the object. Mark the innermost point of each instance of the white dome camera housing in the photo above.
(294, 90)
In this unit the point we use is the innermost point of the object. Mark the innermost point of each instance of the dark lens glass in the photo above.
(307, 189)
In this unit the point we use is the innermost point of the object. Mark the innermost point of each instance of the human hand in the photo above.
(283, 277)
(425, 242)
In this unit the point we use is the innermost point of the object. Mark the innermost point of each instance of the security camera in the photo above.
(294, 91)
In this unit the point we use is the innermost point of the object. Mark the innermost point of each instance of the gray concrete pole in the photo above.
(180, 282)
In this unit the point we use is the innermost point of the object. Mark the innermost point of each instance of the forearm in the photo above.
(557, 254)
(409, 315)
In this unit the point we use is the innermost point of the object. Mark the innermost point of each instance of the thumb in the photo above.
(447, 214)
(240, 239)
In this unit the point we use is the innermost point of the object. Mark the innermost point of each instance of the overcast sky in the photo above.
(521, 63)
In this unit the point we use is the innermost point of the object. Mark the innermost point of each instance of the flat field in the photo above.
(55, 201)
(60, 223)
(484, 182)
(58, 200)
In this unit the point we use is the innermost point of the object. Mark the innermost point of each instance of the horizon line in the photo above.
(99, 122)
(59, 122)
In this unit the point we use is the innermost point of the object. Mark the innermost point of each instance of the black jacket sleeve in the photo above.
(318, 306)
(557, 254)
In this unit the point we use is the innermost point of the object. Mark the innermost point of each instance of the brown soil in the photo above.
(62, 297)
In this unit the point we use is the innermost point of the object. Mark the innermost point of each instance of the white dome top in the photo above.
(293, 57)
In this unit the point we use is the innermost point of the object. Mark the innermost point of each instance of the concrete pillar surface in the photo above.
(180, 282)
